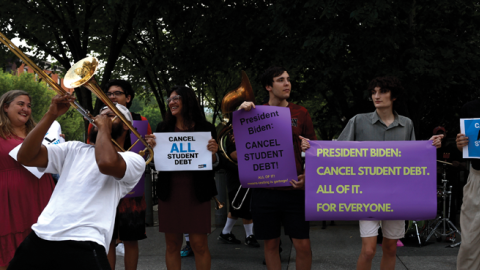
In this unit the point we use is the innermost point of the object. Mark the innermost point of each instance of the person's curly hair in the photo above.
(386, 84)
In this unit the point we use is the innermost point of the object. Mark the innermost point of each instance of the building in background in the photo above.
(18, 67)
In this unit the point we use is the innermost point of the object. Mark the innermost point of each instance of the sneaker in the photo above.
(186, 251)
(120, 250)
(251, 241)
(228, 238)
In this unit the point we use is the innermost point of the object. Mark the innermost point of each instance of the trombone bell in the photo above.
(82, 74)
(218, 204)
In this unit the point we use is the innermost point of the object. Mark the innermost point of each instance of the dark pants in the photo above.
(36, 253)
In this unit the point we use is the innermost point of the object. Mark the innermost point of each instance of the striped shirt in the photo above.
(369, 127)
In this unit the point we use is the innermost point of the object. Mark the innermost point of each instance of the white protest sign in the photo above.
(53, 134)
(182, 151)
(52, 137)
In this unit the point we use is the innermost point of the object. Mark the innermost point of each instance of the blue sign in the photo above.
(472, 131)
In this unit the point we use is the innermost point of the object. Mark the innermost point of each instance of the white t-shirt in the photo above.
(83, 204)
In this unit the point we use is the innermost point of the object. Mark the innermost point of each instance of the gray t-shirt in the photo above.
(369, 127)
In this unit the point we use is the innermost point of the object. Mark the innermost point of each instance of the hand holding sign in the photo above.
(436, 140)
(151, 140)
(300, 184)
(305, 143)
(461, 140)
(247, 106)
(212, 146)
(470, 128)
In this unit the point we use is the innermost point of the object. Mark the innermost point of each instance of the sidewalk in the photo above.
(336, 247)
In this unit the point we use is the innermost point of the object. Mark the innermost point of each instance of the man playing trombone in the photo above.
(77, 224)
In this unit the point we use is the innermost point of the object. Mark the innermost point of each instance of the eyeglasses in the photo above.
(117, 94)
(174, 98)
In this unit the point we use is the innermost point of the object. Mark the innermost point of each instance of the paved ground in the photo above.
(336, 247)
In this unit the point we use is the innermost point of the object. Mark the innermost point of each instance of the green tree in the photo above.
(147, 109)
(69, 30)
(331, 48)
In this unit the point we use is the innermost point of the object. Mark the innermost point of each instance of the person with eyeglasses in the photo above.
(184, 196)
(130, 219)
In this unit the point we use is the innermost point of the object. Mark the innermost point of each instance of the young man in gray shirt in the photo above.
(383, 124)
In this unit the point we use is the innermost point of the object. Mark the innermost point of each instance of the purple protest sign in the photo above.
(388, 180)
(141, 127)
(263, 138)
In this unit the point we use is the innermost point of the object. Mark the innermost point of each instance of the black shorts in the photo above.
(244, 211)
(36, 253)
(130, 219)
(273, 208)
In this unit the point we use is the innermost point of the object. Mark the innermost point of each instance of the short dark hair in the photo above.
(270, 73)
(126, 87)
(387, 83)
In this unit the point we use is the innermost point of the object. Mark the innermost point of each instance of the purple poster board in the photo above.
(391, 180)
(141, 127)
(263, 138)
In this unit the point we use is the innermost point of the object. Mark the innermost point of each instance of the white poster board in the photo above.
(52, 137)
(53, 134)
(182, 151)
(471, 128)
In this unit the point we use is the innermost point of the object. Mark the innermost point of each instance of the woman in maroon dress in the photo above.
(22, 195)
(184, 205)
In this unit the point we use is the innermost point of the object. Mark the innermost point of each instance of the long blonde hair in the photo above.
(6, 128)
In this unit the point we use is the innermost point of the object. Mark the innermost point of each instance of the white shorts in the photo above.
(392, 229)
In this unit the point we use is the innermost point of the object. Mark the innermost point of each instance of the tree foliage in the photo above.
(68, 31)
(331, 48)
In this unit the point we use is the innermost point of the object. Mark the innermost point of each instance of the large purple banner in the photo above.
(141, 127)
(263, 138)
(391, 180)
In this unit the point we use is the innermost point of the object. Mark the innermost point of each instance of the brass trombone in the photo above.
(81, 74)
(44, 76)
(230, 102)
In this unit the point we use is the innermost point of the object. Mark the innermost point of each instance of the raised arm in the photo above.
(32, 152)
(109, 161)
